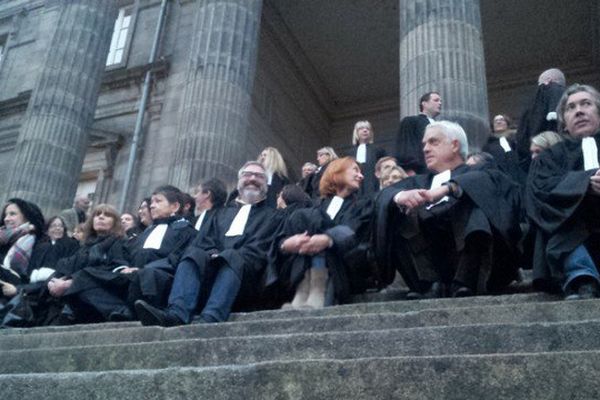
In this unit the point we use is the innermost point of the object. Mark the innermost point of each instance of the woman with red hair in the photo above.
(319, 256)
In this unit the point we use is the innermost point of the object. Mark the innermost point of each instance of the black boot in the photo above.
(150, 315)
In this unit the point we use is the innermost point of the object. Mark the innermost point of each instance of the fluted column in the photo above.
(53, 138)
(441, 50)
(216, 99)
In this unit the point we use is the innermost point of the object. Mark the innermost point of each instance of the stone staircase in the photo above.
(518, 346)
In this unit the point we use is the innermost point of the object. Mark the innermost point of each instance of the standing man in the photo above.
(78, 214)
(540, 114)
(410, 135)
(224, 266)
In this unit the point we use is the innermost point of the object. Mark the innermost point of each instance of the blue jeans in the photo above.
(579, 263)
(223, 284)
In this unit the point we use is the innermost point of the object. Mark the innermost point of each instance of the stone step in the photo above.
(506, 313)
(398, 306)
(540, 376)
(427, 341)
(346, 309)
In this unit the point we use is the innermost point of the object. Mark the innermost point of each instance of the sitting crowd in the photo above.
(458, 225)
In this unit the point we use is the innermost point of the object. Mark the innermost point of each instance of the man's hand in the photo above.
(316, 244)
(128, 270)
(411, 199)
(8, 289)
(435, 195)
(293, 243)
(58, 286)
(594, 187)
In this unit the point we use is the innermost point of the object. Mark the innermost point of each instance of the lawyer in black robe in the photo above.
(156, 260)
(343, 219)
(468, 240)
(409, 139)
(226, 265)
(563, 200)
(535, 119)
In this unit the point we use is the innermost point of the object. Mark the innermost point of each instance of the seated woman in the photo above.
(56, 245)
(325, 155)
(320, 257)
(23, 226)
(391, 176)
(149, 274)
(76, 278)
(543, 141)
(159, 249)
(37, 307)
(144, 213)
(131, 226)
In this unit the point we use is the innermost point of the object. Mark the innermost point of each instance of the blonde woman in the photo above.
(325, 155)
(543, 141)
(277, 174)
(366, 155)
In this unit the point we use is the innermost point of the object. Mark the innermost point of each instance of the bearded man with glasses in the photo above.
(222, 268)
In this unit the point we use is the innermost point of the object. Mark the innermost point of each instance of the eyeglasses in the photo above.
(249, 174)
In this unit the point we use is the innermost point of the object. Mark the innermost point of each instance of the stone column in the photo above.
(216, 100)
(441, 49)
(53, 138)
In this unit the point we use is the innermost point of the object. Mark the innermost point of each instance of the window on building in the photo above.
(119, 37)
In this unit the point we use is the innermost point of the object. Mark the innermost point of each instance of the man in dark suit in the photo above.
(410, 134)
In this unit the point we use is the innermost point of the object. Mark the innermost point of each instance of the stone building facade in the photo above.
(234, 76)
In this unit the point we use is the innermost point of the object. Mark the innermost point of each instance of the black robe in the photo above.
(277, 184)
(533, 120)
(346, 260)
(245, 254)
(153, 281)
(409, 141)
(508, 162)
(314, 180)
(34, 306)
(489, 205)
(370, 183)
(558, 203)
(93, 262)
(47, 254)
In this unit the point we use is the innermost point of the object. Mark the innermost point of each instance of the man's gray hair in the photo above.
(552, 75)
(248, 163)
(562, 104)
(453, 131)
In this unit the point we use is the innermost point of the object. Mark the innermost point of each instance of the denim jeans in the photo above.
(222, 283)
(579, 263)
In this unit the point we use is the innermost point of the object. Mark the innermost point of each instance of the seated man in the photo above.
(455, 227)
(563, 200)
(225, 264)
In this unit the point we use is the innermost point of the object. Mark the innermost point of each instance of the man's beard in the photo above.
(250, 195)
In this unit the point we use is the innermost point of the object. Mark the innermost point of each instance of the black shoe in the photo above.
(413, 296)
(436, 291)
(572, 293)
(588, 290)
(150, 315)
(121, 315)
(462, 291)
